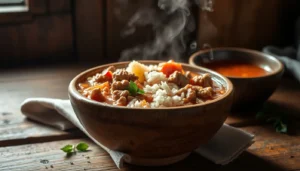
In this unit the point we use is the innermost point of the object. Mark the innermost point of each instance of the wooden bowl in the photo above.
(249, 93)
(154, 133)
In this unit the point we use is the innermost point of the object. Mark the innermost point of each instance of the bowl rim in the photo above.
(72, 90)
(261, 54)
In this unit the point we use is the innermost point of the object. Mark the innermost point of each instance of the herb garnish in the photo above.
(71, 148)
(271, 115)
(68, 148)
(133, 89)
(82, 146)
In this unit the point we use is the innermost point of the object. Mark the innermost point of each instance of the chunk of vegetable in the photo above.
(97, 95)
(169, 67)
(109, 75)
(138, 70)
(83, 86)
(98, 86)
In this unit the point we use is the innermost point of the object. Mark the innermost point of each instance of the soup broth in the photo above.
(237, 69)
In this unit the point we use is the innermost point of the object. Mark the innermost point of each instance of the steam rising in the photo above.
(171, 22)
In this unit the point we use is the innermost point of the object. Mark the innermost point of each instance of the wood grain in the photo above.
(287, 97)
(89, 30)
(48, 156)
(59, 6)
(281, 149)
(18, 84)
(45, 156)
(250, 24)
(38, 7)
(44, 37)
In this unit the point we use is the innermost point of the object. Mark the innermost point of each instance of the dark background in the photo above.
(70, 31)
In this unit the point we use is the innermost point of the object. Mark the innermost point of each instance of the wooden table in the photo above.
(27, 145)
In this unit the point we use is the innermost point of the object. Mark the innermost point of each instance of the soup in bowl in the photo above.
(151, 109)
(164, 85)
(255, 75)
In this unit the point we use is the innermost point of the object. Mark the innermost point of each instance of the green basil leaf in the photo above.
(68, 148)
(141, 91)
(133, 88)
(82, 146)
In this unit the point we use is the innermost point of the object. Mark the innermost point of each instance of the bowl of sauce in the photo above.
(255, 75)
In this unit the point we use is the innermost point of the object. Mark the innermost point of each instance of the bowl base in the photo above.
(157, 161)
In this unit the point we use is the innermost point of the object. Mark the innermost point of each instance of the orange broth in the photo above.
(237, 69)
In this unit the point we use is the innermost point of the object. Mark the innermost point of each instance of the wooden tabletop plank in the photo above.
(18, 84)
(48, 156)
(282, 149)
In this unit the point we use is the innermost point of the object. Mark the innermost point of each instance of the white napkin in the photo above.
(227, 144)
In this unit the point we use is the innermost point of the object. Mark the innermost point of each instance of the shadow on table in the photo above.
(246, 162)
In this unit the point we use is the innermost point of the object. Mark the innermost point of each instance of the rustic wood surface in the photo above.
(27, 145)
(18, 84)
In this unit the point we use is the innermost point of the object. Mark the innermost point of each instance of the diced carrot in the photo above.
(97, 95)
(104, 85)
(140, 86)
(109, 75)
(192, 82)
(99, 86)
(148, 98)
(144, 103)
(169, 67)
(83, 86)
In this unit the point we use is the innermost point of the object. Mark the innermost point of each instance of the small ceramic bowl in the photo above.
(250, 92)
(151, 133)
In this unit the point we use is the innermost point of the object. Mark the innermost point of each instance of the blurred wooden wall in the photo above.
(249, 23)
(43, 32)
(241, 23)
(90, 30)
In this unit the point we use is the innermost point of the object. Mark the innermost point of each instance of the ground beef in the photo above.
(184, 89)
(121, 97)
(147, 97)
(178, 78)
(122, 74)
(120, 93)
(99, 78)
(193, 92)
(106, 91)
(205, 93)
(122, 101)
(191, 95)
(188, 74)
(120, 85)
(129, 98)
(203, 80)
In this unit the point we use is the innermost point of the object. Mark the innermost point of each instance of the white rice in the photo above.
(154, 67)
(163, 93)
(155, 77)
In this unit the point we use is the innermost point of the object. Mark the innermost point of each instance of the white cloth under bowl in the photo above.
(227, 144)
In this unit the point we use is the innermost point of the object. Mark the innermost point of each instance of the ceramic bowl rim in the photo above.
(74, 92)
(276, 71)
